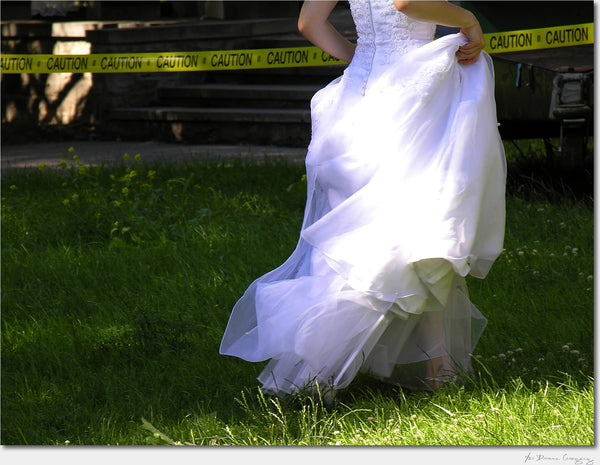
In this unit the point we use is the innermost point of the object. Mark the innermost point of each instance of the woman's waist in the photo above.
(368, 54)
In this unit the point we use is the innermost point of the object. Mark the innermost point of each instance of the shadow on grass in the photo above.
(96, 340)
(536, 170)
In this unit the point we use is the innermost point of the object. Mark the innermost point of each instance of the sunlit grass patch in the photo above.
(118, 281)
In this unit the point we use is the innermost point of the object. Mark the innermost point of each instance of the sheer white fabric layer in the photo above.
(406, 178)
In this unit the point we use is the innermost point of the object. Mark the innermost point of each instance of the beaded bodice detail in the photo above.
(384, 31)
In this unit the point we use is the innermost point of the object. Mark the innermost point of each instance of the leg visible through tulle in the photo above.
(420, 351)
(430, 349)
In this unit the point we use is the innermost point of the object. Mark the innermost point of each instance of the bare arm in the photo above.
(313, 25)
(447, 14)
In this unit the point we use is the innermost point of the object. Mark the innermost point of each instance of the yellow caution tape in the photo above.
(167, 61)
(530, 39)
(537, 39)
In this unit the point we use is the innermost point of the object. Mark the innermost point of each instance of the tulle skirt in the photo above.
(405, 198)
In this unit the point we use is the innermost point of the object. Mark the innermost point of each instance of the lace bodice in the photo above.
(384, 30)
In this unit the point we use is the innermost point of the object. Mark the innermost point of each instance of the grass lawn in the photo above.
(117, 283)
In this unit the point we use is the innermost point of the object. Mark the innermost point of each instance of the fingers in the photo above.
(472, 45)
(467, 61)
(466, 52)
(469, 52)
(466, 57)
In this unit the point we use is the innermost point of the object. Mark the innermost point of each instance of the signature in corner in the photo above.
(565, 458)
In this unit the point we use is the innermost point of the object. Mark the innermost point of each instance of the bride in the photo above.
(405, 198)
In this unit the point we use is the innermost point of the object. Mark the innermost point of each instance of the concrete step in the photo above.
(193, 31)
(281, 41)
(233, 95)
(310, 75)
(287, 127)
(288, 40)
(260, 115)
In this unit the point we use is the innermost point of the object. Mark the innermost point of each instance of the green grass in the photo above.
(117, 283)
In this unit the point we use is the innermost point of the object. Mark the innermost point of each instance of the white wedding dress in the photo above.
(406, 182)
